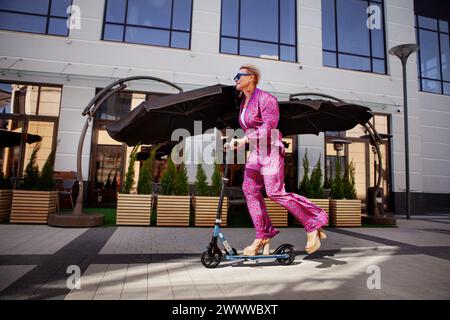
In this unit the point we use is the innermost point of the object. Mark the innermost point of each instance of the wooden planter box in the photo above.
(5, 204)
(173, 211)
(322, 203)
(345, 213)
(134, 209)
(32, 206)
(205, 209)
(277, 213)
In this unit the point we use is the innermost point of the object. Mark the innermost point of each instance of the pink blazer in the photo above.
(261, 115)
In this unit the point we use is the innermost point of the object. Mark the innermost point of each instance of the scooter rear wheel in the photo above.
(210, 261)
(286, 250)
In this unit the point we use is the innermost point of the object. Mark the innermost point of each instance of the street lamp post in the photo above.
(403, 52)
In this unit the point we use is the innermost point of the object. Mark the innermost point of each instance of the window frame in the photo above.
(47, 16)
(125, 25)
(419, 58)
(239, 38)
(371, 57)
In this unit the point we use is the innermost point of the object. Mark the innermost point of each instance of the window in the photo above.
(353, 35)
(243, 33)
(28, 115)
(35, 16)
(164, 23)
(434, 55)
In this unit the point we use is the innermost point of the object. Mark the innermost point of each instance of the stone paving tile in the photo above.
(90, 282)
(136, 283)
(111, 285)
(10, 274)
(35, 239)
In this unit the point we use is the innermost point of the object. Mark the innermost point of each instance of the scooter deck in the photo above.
(257, 257)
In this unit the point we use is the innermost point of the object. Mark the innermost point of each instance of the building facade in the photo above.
(49, 73)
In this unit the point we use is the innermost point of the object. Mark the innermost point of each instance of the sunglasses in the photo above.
(239, 75)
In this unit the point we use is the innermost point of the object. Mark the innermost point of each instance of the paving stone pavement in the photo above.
(413, 261)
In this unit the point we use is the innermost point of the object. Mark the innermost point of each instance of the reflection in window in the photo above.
(434, 56)
(243, 33)
(35, 100)
(347, 40)
(153, 22)
(36, 16)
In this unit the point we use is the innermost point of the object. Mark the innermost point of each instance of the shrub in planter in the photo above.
(36, 198)
(135, 209)
(206, 200)
(345, 209)
(173, 205)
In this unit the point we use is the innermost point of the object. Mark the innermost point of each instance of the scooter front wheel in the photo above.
(211, 260)
(286, 249)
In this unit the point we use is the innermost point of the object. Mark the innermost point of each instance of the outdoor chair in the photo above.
(66, 189)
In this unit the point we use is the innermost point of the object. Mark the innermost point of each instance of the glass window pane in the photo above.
(379, 66)
(431, 86)
(354, 63)
(229, 46)
(49, 101)
(180, 40)
(115, 106)
(287, 21)
(58, 27)
(113, 32)
(353, 33)
(443, 26)
(147, 36)
(287, 53)
(378, 45)
(230, 12)
(255, 11)
(445, 57)
(59, 7)
(22, 22)
(182, 14)
(428, 23)
(5, 98)
(429, 54)
(259, 49)
(447, 88)
(28, 6)
(45, 130)
(115, 11)
(329, 59)
(328, 25)
(155, 13)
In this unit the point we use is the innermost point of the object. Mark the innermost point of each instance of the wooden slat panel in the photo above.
(206, 210)
(133, 209)
(345, 213)
(173, 210)
(32, 206)
(5, 204)
(277, 213)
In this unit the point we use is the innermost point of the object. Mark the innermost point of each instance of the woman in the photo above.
(258, 117)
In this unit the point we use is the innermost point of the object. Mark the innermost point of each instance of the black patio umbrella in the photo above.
(153, 121)
(308, 116)
(217, 106)
(12, 139)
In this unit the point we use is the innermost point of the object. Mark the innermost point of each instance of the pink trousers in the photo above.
(268, 171)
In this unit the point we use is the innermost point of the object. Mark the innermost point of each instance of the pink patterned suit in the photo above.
(266, 168)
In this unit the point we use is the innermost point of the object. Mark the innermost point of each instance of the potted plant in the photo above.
(5, 198)
(312, 187)
(134, 208)
(173, 201)
(36, 196)
(206, 199)
(345, 209)
(317, 195)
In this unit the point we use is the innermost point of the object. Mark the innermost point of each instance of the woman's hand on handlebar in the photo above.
(235, 144)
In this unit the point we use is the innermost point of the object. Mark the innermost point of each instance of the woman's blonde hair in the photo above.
(254, 71)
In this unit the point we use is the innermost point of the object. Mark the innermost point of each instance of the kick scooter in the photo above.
(212, 257)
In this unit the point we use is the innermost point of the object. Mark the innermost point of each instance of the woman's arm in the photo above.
(270, 115)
